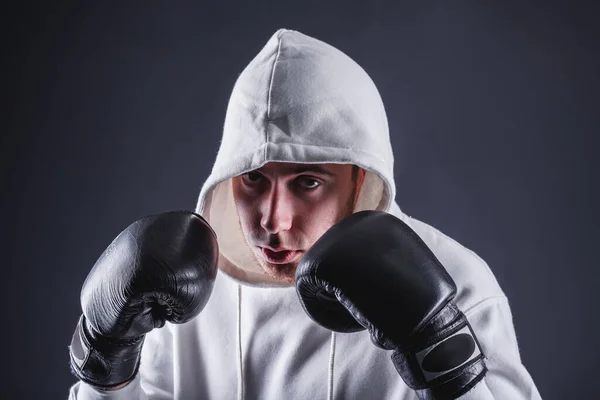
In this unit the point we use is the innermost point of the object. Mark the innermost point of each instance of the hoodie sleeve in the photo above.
(487, 309)
(507, 378)
(154, 380)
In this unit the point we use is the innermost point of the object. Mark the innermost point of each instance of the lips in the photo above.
(279, 257)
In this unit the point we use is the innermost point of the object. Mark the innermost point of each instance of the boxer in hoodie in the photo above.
(297, 276)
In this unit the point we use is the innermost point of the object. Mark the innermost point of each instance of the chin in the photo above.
(281, 272)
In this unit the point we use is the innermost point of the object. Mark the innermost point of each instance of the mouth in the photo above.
(279, 257)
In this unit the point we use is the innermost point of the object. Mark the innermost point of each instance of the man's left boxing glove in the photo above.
(160, 268)
(372, 271)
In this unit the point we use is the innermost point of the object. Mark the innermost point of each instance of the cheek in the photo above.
(243, 205)
(322, 216)
(247, 212)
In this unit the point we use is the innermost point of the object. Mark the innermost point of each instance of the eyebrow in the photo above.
(299, 169)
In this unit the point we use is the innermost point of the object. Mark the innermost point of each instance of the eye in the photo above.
(252, 177)
(309, 183)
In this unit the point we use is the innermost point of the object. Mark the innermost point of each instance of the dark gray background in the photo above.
(112, 112)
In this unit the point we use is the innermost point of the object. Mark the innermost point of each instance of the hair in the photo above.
(354, 173)
(349, 209)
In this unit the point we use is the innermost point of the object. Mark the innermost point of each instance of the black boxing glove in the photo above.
(160, 268)
(372, 271)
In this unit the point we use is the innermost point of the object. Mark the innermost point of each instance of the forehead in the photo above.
(282, 168)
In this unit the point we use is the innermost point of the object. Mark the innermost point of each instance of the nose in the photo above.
(277, 214)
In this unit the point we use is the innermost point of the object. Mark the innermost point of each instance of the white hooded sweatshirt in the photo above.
(301, 100)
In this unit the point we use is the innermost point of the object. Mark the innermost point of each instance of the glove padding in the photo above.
(160, 268)
(372, 271)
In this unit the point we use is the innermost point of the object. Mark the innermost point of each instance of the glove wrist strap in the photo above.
(445, 361)
(102, 362)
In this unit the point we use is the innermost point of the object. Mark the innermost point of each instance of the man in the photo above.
(305, 146)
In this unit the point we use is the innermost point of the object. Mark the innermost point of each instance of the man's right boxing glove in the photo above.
(160, 268)
(373, 271)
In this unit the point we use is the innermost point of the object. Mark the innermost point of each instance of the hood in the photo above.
(299, 100)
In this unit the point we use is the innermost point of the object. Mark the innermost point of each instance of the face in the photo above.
(284, 208)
